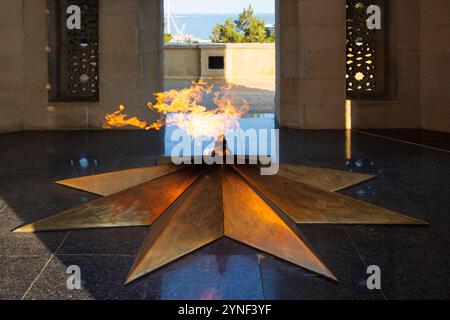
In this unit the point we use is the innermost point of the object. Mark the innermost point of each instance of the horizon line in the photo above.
(200, 13)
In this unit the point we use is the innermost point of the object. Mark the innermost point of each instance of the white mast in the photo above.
(169, 18)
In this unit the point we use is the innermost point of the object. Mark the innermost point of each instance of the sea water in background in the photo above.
(200, 26)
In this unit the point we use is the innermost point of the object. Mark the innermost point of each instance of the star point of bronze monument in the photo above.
(188, 207)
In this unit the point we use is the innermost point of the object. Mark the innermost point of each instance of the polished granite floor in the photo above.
(415, 261)
(425, 138)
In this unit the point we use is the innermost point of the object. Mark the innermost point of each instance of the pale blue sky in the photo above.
(220, 6)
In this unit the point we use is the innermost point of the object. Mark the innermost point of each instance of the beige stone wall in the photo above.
(401, 107)
(435, 65)
(131, 67)
(11, 65)
(312, 64)
(252, 65)
(249, 64)
(182, 62)
(311, 60)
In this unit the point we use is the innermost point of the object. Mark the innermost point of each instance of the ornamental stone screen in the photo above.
(363, 51)
(73, 52)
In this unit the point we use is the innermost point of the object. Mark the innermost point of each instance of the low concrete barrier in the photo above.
(247, 64)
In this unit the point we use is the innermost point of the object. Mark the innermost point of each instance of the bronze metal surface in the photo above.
(105, 184)
(186, 160)
(322, 178)
(250, 220)
(190, 207)
(193, 221)
(139, 205)
(308, 204)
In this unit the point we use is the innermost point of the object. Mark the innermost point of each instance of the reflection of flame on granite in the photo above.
(191, 206)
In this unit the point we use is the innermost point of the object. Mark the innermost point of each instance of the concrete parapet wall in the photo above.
(249, 64)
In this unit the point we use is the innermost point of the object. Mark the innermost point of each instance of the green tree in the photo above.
(226, 33)
(168, 37)
(247, 28)
(270, 35)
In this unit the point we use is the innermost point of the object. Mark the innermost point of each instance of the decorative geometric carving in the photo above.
(74, 58)
(361, 49)
(82, 47)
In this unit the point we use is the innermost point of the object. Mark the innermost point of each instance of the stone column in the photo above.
(11, 65)
(399, 108)
(435, 65)
(312, 64)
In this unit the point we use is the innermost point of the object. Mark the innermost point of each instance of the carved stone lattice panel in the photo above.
(82, 58)
(74, 56)
(361, 49)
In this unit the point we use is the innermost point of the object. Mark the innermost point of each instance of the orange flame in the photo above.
(183, 109)
(118, 119)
